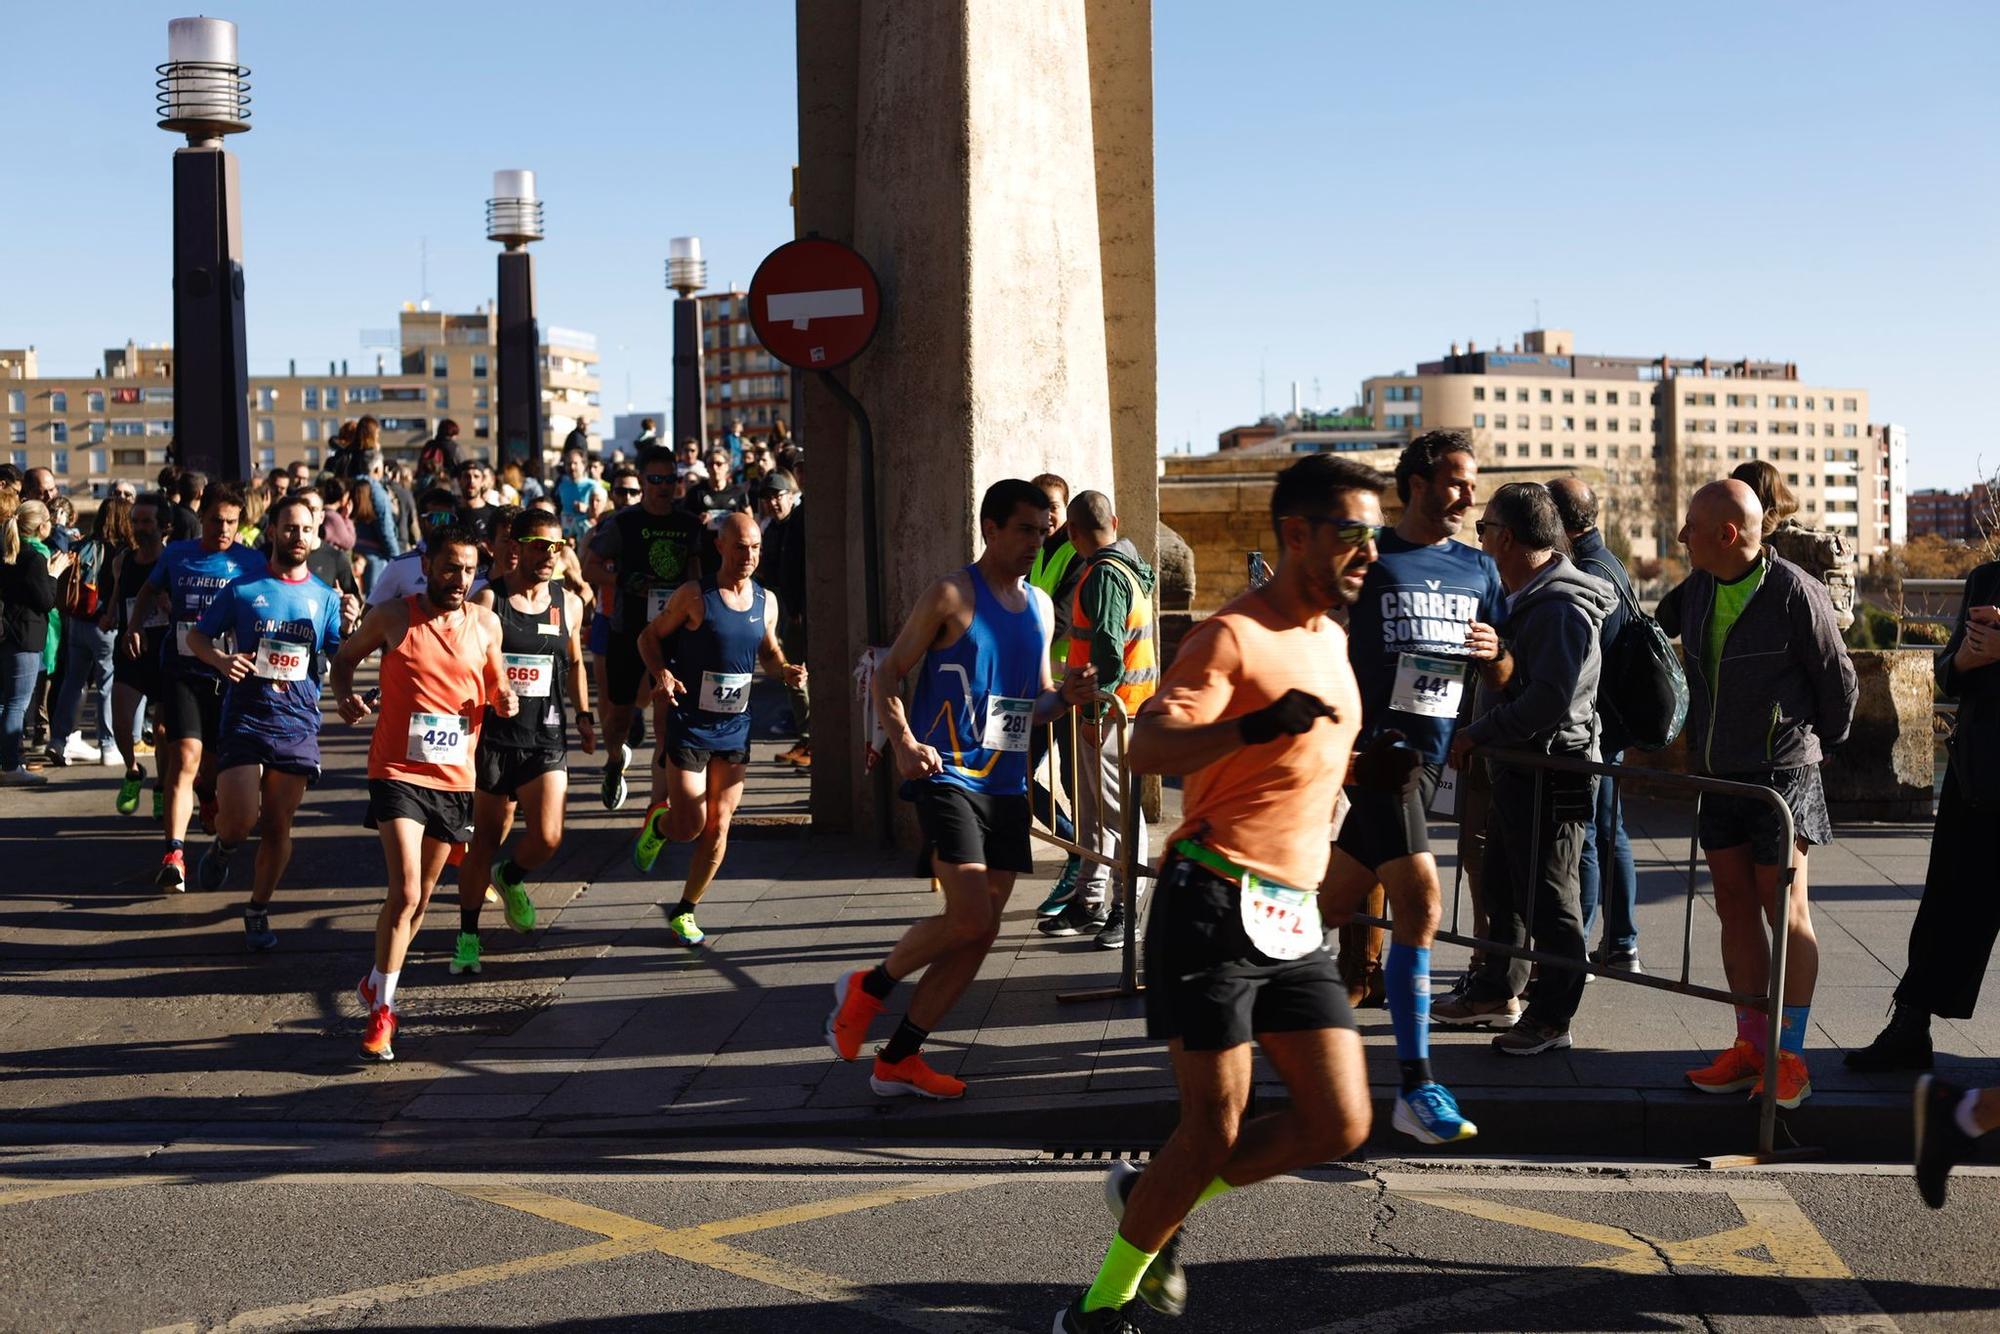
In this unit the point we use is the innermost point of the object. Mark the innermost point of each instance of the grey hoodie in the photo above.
(1549, 705)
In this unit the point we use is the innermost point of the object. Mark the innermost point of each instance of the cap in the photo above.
(778, 481)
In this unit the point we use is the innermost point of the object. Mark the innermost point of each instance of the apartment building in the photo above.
(119, 420)
(741, 380)
(1955, 516)
(1658, 427)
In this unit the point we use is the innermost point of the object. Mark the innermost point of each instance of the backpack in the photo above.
(1642, 686)
(78, 594)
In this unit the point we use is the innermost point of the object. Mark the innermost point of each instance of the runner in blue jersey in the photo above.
(185, 580)
(1421, 630)
(284, 628)
(723, 628)
(982, 636)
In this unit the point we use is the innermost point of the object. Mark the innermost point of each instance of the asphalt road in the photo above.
(877, 1240)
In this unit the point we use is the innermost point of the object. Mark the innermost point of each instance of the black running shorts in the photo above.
(241, 747)
(445, 816)
(1383, 827)
(502, 771)
(1730, 822)
(624, 669)
(191, 707)
(693, 759)
(972, 828)
(1207, 985)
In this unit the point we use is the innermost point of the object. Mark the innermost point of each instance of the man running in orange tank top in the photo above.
(441, 669)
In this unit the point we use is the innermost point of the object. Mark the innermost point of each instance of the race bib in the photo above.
(530, 674)
(181, 631)
(725, 692)
(1428, 686)
(1007, 723)
(1444, 802)
(157, 620)
(1281, 923)
(436, 738)
(279, 661)
(656, 601)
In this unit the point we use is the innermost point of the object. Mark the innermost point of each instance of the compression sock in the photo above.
(906, 1042)
(1750, 1027)
(468, 916)
(878, 983)
(681, 907)
(1118, 1277)
(512, 871)
(1792, 1030)
(1407, 978)
(1210, 1191)
(385, 987)
(176, 845)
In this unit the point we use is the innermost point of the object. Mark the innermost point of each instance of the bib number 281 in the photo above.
(1007, 723)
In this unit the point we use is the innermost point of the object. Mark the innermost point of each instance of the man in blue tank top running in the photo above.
(982, 635)
(725, 626)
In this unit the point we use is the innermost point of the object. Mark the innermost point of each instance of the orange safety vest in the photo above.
(1141, 676)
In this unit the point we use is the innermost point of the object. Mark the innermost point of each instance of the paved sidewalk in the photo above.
(124, 1013)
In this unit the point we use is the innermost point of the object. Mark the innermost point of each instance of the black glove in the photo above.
(1387, 764)
(1290, 714)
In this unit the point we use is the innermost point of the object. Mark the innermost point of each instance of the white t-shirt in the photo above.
(404, 575)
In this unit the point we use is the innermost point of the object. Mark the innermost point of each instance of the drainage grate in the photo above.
(1093, 1153)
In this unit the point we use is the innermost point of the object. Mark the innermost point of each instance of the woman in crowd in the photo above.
(376, 539)
(28, 574)
(87, 646)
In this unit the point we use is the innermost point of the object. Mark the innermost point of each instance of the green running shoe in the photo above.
(647, 850)
(128, 793)
(684, 929)
(520, 908)
(465, 957)
(1063, 890)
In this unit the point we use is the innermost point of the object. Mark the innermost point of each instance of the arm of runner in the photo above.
(600, 557)
(499, 695)
(679, 613)
(940, 602)
(152, 596)
(772, 654)
(215, 618)
(1182, 729)
(381, 628)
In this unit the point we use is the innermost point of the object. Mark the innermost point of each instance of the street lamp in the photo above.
(514, 218)
(687, 273)
(204, 95)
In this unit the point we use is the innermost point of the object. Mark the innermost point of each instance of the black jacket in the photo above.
(1975, 740)
(1590, 555)
(782, 567)
(29, 592)
(1550, 703)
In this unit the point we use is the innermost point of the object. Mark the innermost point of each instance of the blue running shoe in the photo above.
(257, 932)
(1429, 1115)
(212, 871)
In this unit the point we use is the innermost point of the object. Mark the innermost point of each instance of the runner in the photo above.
(982, 636)
(1949, 1122)
(285, 625)
(185, 580)
(1258, 711)
(135, 670)
(625, 493)
(404, 574)
(648, 550)
(524, 760)
(724, 627)
(1426, 611)
(441, 668)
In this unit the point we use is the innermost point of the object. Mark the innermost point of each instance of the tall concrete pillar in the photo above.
(955, 146)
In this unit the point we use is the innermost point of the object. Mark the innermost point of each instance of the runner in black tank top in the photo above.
(524, 760)
(136, 679)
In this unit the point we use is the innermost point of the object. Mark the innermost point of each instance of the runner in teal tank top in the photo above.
(981, 635)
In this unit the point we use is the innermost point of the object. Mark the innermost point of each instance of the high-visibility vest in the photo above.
(1141, 676)
(1048, 576)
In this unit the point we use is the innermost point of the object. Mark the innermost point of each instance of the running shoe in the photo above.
(1077, 919)
(257, 932)
(647, 850)
(1461, 1011)
(853, 1010)
(1940, 1144)
(377, 1044)
(1164, 1284)
(212, 871)
(1063, 890)
(1732, 1072)
(128, 793)
(1530, 1038)
(172, 875)
(465, 955)
(911, 1076)
(520, 908)
(799, 754)
(365, 990)
(75, 750)
(1429, 1114)
(1794, 1081)
(1073, 1319)
(1111, 936)
(614, 792)
(684, 929)
(22, 777)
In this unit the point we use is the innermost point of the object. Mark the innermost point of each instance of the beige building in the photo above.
(740, 379)
(1658, 427)
(118, 421)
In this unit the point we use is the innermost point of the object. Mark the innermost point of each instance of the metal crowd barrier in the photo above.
(1771, 1004)
(1126, 868)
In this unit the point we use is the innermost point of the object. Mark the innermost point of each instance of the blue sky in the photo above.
(1343, 190)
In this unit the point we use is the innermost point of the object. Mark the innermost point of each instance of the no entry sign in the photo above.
(815, 304)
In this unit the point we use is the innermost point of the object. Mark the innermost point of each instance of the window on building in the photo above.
(97, 461)
(58, 401)
(1569, 423)
(481, 427)
(1812, 455)
(1569, 451)
(443, 400)
(265, 430)
(267, 459)
(309, 429)
(1610, 423)
(1569, 395)
(1521, 422)
(1850, 405)
(1548, 423)
(479, 365)
(1478, 419)
(309, 398)
(480, 397)
(312, 455)
(332, 397)
(1548, 451)
(1850, 430)
(59, 462)
(1589, 396)
(17, 431)
(93, 400)
(129, 458)
(1590, 451)
(17, 401)
(58, 433)
(1548, 396)
(19, 458)
(1520, 395)
(1809, 405)
(267, 398)
(1479, 393)
(1590, 423)
(440, 365)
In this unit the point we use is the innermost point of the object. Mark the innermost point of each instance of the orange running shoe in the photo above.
(375, 1043)
(853, 1010)
(1732, 1072)
(1794, 1081)
(365, 990)
(911, 1076)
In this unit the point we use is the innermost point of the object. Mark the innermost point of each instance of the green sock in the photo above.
(1118, 1277)
(1210, 1191)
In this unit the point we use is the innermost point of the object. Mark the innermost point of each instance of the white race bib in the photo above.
(1428, 686)
(656, 602)
(1282, 923)
(530, 674)
(725, 692)
(1444, 802)
(279, 661)
(156, 621)
(1007, 723)
(181, 629)
(436, 738)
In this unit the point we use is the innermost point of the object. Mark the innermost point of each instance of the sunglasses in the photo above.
(659, 479)
(540, 540)
(1351, 532)
(627, 491)
(1479, 526)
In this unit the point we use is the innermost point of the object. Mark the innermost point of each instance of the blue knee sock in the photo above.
(1792, 1029)
(1407, 978)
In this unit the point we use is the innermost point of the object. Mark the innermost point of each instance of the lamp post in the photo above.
(204, 95)
(514, 218)
(687, 273)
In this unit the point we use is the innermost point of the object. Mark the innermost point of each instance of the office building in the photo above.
(741, 380)
(1955, 516)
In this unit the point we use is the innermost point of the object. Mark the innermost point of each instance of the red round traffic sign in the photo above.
(815, 304)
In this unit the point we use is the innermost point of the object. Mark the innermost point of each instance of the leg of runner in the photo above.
(541, 810)
(711, 843)
(282, 793)
(414, 863)
(179, 761)
(125, 705)
(683, 819)
(239, 792)
(492, 821)
(950, 950)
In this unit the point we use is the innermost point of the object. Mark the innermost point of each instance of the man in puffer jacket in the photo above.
(1547, 703)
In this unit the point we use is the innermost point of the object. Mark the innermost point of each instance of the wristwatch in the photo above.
(585, 716)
